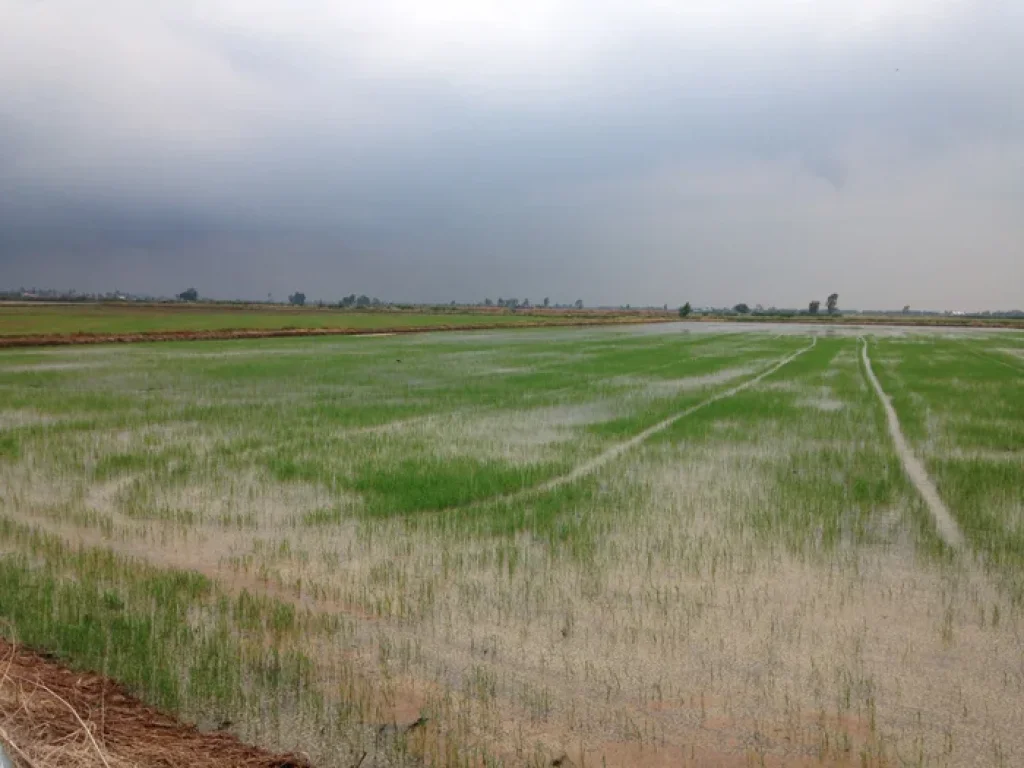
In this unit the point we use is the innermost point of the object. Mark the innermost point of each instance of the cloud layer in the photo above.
(641, 152)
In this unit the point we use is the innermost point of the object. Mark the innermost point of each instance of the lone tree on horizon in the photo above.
(813, 307)
(297, 299)
(685, 310)
(833, 303)
(190, 295)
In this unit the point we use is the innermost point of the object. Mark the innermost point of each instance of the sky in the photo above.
(616, 151)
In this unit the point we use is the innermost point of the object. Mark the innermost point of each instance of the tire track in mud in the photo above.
(591, 465)
(999, 358)
(945, 525)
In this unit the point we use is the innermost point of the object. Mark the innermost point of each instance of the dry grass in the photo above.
(51, 717)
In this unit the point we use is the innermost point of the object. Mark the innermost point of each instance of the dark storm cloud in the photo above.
(259, 151)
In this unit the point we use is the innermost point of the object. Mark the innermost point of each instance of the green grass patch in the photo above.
(10, 447)
(425, 484)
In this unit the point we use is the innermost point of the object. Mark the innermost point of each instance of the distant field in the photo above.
(937, 321)
(66, 319)
(622, 546)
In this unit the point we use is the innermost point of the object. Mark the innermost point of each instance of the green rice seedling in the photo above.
(325, 540)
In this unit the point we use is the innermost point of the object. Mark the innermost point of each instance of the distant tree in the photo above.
(833, 303)
(547, 302)
(190, 295)
(511, 303)
(906, 310)
(578, 304)
(297, 299)
(685, 310)
(363, 301)
(488, 303)
(813, 307)
(759, 308)
(526, 303)
(741, 308)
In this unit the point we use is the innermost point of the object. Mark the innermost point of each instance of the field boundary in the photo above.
(912, 466)
(50, 713)
(72, 339)
(853, 321)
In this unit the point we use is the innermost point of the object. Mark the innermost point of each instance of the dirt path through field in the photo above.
(618, 449)
(944, 522)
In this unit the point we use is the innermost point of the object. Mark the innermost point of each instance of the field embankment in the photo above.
(41, 325)
(919, 321)
(53, 716)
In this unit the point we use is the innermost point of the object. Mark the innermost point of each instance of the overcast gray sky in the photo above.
(618, 151)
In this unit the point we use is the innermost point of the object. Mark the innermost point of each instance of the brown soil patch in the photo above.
(66, 339)
(51, 716)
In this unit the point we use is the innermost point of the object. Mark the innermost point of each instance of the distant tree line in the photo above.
(813, 308)
(832, 304)
(363, 301)
(360, 301)
(742, 308)
(70, 295)
(525, 304)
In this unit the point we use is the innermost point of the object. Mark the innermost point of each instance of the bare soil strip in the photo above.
(70, 339)
(944, 522)
(617, 450)
(51, 716)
